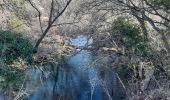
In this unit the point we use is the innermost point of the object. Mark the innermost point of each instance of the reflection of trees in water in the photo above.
(65, 84)
(112, 85)
(69, 84)
(78, 78)
(77, 84)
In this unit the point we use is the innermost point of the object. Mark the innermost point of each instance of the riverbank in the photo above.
(77, 77)
(13, 77)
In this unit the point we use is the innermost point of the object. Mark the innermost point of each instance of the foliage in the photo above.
(130, 35)
(10, 77)
(15, 23)
(17, 15)
(14, 46)
(131, 38)
(163, 3)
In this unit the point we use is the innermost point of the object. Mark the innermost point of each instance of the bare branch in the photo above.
(50, 25)
(39, 14)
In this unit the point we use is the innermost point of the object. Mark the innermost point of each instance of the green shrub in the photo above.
(130, 35)
(162, 3)
(14, 46)
(10, 78)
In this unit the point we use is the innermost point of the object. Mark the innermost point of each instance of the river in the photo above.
(77, 78)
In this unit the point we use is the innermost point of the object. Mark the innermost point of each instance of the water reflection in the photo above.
(75, 79)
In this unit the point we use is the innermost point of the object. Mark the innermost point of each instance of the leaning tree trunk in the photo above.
(51, 22)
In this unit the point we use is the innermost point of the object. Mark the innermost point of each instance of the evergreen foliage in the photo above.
(130, 35)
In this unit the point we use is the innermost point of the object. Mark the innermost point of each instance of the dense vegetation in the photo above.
(14, 47)
(130, 37)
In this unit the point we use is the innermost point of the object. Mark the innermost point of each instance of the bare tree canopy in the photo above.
(56, 10)
(85, 49)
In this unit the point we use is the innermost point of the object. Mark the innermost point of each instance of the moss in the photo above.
(15, 23)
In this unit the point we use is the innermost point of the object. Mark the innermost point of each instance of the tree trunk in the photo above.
(50, 25)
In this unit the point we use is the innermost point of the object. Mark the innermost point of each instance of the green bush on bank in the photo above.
(130, 36)
(10, 78)
(161, 3)
(13, 47)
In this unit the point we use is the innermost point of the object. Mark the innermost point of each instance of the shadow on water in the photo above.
(77, 78)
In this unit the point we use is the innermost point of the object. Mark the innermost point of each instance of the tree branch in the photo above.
(39, 14)
(50, 25)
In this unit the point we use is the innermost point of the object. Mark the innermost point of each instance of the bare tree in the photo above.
(143, 13)
(56, 10)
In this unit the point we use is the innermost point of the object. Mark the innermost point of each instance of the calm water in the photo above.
(77, 78)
